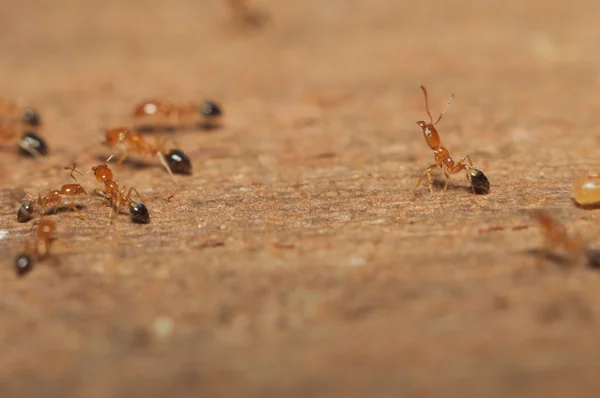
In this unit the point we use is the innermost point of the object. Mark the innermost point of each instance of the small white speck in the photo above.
(3, 234)
(358, 261)
(163, 326)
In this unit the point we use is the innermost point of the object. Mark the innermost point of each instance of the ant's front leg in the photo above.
(427, 173)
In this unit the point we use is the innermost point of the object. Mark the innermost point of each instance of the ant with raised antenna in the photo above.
(53, 199)
(153, 114)
(442, 156)
(116, 197)
(25, 261)
(126, 141)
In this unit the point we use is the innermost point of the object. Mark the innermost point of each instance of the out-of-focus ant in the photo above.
(155, 114)
(25, 261)
(21, 124)
(558, 237)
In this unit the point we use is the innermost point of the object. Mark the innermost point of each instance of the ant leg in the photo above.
(163, 161)
(101, 194)
(132, 189)
(447, 177)
(427, 173)
(73, 170)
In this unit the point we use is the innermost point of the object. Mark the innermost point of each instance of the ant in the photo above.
(53, 199)
(30, 143)
(245, 16)
(125, 141)
(557, 236)
(586, 190)
(443, 159)
(28, 116)
(115, 197)
(25, 261)
(155, 112)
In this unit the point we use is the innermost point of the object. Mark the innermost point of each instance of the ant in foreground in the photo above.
(558, 237)
(116, 197)
(25, 261)
(586, 190)
(125, 141)
(153, 114)
(443, 160)
(53, 199)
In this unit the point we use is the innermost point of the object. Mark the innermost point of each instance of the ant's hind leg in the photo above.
(447, 180)
(427, 173)
(163, 161)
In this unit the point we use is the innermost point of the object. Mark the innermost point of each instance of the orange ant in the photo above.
(25, 261)
(27, 116)
(243, 15)
(30, 144)
(443, 159)
(125, 141)
(116, 197)
(53, 199)
(155, 112)
(13, 120)
(586, 190)
(558, 236)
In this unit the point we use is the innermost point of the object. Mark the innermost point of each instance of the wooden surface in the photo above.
(296, 261)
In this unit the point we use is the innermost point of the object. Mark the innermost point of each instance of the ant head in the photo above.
(46, 227)
(102, 172)
(430, 133)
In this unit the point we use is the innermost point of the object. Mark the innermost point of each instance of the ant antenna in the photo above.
(427, 107)
(445, 109)
(427, 104)
(73, 170)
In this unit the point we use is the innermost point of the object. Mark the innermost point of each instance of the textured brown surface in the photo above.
(296, 261)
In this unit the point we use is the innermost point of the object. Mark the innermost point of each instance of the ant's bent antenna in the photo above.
(445, 109)
(427, 103)
(427, 107)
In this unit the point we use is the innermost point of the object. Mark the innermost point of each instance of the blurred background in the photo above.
(315, 93)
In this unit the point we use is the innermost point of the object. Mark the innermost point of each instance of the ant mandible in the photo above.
(443, 159)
